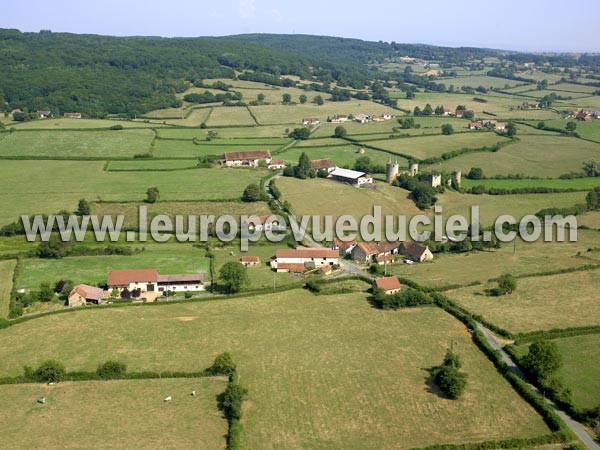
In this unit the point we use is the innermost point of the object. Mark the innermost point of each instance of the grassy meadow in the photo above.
(125, 415)
(322, 372)
(6, 274)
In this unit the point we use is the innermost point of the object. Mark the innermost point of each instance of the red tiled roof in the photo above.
(248, 156)
(321, 164)
(249, 259)
(191, 278)
(124, 277)
(292, 267)
(375, 248)
(388, 283)
(88, 292)
(411, 248)
(344, 244)
(304, 252)
(277, 162)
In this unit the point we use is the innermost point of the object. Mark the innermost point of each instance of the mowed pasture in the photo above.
(587, 130)
(539, 303)
(168, 258)
(293, 114)
(432, 146)
(575, 183)
(228, 116)
(151, 165)
(540, 156)
(465, 268)
(74, 124)
(254, 132)
(6, 274)
(76, 144)
(47, 188)
(125, 415)
(478, 80)
(171, 209)
(188, 149)
(322, 372)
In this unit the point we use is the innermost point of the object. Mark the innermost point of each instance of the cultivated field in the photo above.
(539, 303)
(124, 414)
(76, 144)
(322, 372)
(6, 275)
(43, 192)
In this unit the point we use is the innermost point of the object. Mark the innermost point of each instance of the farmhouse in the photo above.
(415, 252)
(82, 294)
(311, 121)
(43, 114)
(288, 260)
(276, 164)
(248, 159)
(74, 115)
(529, 105)
(595, 113)
(339, 119)
(582, 115)
(344, 247)
(249, 261)
(323, 164)
(389, 285)
(352, 177)
(475, 125)
(460, 113)
(362, 118)
(375, 252)
(263, 223)
(148, 280)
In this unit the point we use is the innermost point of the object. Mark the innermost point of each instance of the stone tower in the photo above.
(457, 174)
(391, 171)
(413, 169)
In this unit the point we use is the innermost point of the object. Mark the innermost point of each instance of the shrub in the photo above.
(111, 370)
(223, 365)
(50, 371)
(116, 127)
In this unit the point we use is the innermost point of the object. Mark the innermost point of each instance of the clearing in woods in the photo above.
(322, 372)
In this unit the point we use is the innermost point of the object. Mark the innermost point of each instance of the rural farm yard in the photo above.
(325, 365)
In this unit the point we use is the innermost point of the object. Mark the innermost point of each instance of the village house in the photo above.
(459, 113)
(389, 285)
(74, 115)
(352, 177)
(595, 113)
(415, 252)
(584, 116)
(44, 114)
(148, 280)
(310, 121)
(247, 159)
(339, 119)
(303, 258)
(375, 252)
(344, 247)
(83, 294)
(276, 164)
(323, 164)
(362, 118)
(529, 105)
(249, 261)
(447, 112)
(475, 125)
(264, 223)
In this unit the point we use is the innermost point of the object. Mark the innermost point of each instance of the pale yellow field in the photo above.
(233, 115)
(6, 275)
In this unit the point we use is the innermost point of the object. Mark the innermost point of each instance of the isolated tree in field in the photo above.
(84, 208)
(591, 168)
(251, 193)
(511, 129)
(410, 94)
(50, 371)
(234, 276)
(318, 100)
(203, 126)
(261, 97)
(417, 111)
(447, 129)
(571, 126)
(506, 284)
(543, 359)
(223, 364)
(300, 134)
(152, 195)
(303, 99)
(469, 114)
(287, 98)
(427, 111)
(476, 173)
(363, 164)
(448, 376)
(340, 132)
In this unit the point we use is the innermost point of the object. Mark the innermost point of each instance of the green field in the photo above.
(125, 415)
(76, 144)
(539, 303)
(431, 146)
(167, 258)
(185, 118)
(578, 371)
(187, 149)
(575, 183)
(6, 274)
(54, 185)
(151, 165)
(478, 80)
(322, 372)
(68, 124)
(587, 130)
(541, 156)
(228, 116)
(344, 155)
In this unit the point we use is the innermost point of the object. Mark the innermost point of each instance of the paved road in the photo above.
(574, 426)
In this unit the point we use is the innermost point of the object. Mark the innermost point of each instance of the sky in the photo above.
(524, 25)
